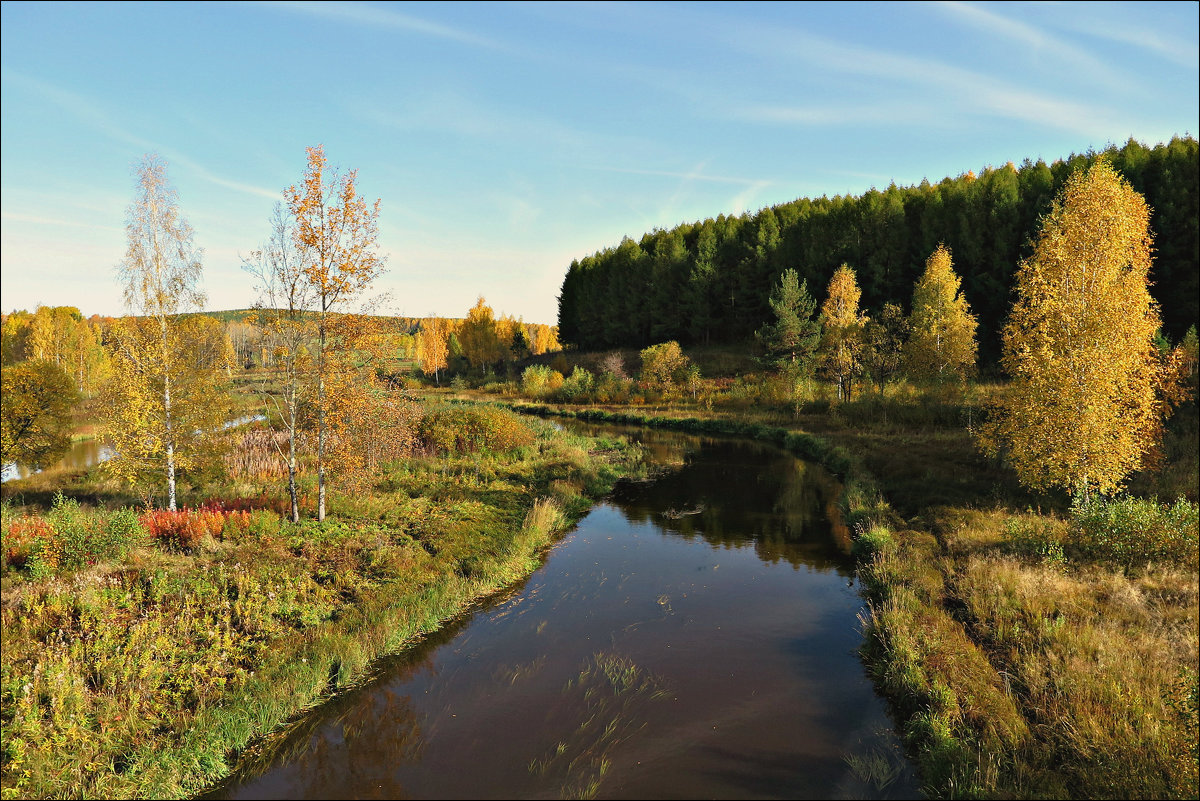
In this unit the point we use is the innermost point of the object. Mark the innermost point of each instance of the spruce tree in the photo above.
(792, 341)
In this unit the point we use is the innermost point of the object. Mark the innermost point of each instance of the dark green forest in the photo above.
(708, 282)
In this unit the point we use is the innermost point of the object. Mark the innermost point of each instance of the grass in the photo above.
(148, 673)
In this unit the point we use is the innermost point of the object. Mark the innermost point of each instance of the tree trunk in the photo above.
(167, 420)
(321, 425)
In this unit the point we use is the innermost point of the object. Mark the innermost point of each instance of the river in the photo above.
(693, 637)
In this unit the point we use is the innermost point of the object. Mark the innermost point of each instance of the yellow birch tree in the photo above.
(841, 340)
(336, 233)
(480, 337)
(432, 346)
(941, 344)
(167, 400)
(1081, 411)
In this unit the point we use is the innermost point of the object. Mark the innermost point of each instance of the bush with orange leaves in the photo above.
(183, 530)
(28, 540)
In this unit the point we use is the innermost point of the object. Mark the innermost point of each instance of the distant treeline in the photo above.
(708, 282)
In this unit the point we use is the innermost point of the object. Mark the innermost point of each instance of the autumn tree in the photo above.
(433, 349)
(941, 342)
(36, 399)
(59, 334)
(165, 365)
(15, 333)
(792, 342)
(195, 365)
(1081, 411)
(480, 337)
(664, 364)
(545, 339)
(284, 315)
(335, 232)
(841, 340)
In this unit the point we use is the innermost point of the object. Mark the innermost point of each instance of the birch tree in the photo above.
(336, 233)
(941, 342)
(432, 349)
(1082, 411)
(841, 342)
(163, 388)
(284, 314)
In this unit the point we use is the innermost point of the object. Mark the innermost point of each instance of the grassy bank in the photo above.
(143, 653)
(1048, 653)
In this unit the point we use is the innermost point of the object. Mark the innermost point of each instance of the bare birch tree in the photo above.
(161, 277)
(284, 312)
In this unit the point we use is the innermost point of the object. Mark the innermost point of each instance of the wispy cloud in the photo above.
(967, 90)
(1037, 39)
(889, 113)
(375, 17)
(453, 113)
(1183, 51)
(95, 117)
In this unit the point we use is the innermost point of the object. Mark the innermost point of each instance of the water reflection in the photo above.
(87, 453)
(695, 637)
(734, 494)
(82, 455)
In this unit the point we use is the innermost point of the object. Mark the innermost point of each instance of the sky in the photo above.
(504, 140)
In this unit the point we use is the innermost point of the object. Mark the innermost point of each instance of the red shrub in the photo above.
(26, 536)
(183, 530)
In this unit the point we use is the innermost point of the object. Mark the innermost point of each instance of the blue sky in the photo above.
(505, 140)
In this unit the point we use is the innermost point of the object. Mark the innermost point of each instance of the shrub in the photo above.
(69, 538)
(182, 530)
(663, 364)
(462, 430)
(30, 540)
(1036, 538)
(1132, 531)
(538, 381)
(613, 364)
(577, 387)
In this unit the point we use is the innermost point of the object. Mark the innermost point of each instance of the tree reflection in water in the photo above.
(747, 495)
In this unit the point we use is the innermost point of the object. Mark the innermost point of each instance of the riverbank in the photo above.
(149, 672)
(1020, 662)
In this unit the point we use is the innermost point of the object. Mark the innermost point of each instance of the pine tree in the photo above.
(792, 342)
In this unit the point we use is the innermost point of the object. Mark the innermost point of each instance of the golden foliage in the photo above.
(432, 345)
(166, 402)
(480, 336)
(941, 344)
(1081, 411)
(336, 236)
(841, 341)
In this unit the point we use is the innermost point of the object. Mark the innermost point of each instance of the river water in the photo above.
(87, 453)
(692, 637)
